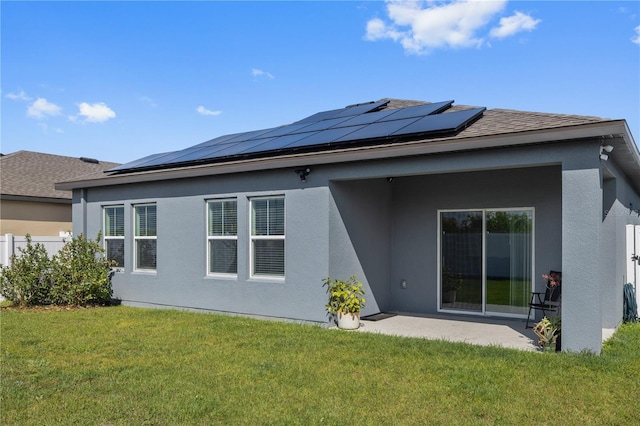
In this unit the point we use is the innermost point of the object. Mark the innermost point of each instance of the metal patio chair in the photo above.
(549, 301)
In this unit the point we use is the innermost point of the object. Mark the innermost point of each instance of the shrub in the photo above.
(81, 274)
(344, 296)
(27, 280)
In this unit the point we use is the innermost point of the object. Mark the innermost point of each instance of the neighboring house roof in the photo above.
(31, 176)
(494, 128)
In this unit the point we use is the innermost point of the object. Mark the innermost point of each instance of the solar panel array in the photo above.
(366, 123)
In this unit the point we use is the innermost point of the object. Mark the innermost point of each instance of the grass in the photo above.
(127, 366)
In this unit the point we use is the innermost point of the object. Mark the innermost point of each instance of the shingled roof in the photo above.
(494, 128)
(32, 175)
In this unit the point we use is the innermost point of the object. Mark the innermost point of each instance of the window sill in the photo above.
(226, 277)
(267, 279)
(145, 272)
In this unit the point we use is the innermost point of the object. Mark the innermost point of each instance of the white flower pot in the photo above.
(347, 321)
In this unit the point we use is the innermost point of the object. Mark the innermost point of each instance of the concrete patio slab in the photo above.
(509, 333)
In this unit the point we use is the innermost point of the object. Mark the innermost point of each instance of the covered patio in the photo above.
(504, 332)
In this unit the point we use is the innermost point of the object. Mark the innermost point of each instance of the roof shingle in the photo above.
(34, 174)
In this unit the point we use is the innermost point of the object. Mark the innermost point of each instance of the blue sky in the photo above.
(121, 80)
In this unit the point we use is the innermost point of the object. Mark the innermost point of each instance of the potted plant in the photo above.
(548, 332)
(451, 285)
(345, 301)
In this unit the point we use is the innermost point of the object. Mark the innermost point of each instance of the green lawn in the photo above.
(119, 365)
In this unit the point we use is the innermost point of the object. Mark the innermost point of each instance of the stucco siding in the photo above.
(181, 277)
(351, 218)
(416, 201)
(360, 237)
(619, 199)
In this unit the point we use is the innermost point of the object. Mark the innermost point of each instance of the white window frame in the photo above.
(254, 238)
(106, 238)
(137, 238)
(210, 237)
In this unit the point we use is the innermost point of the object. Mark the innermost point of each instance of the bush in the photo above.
(27, 280)
(77, 275)
(81, 274)
(344, 296)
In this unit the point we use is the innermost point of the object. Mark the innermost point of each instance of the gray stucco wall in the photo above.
(360, 237)
(349, 219)
(181, 280)
(619, 198)
(416, 201)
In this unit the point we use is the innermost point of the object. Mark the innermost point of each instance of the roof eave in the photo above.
(35, 199)
(419, 147)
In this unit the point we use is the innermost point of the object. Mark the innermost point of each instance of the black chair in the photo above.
(549, 301)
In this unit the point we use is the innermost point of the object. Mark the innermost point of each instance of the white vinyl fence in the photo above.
(11, 244)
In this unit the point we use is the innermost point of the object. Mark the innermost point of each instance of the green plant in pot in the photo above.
(548, 332)
(452, 283)
(345, 301)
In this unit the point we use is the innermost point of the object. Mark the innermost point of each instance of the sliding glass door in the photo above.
(461, 260)
(486, 259)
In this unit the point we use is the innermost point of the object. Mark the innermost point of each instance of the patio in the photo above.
(506, 332)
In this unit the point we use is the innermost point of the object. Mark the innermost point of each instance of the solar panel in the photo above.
(319, 116)
(440, 123)
(324, 124)
(278, 143)
(249, 135)
(220, 139)
(359, 109)
(370, 117)
(236, 148)
(139, 162)
(419, 110)
(324, 137)
(191, 154)
(357, 124)
(378, 130)
(343, 112)
(208, 152)
(284, 130)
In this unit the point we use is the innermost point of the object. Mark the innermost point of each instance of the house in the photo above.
(30, 202)
(419, 200)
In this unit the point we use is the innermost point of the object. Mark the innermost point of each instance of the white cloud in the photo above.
(260, 73)
(147, 100)
(204, 111)
(20, 96)
(94, 113)
(514, 24)
(422, 26)
(636, 39)
(41, 108)
(45, 128)
(377, 30)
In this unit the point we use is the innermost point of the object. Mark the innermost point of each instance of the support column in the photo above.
(581, 222)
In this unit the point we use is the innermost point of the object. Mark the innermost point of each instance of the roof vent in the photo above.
(89, 160)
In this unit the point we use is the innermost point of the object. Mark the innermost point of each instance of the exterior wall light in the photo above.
(604, 150)
(303, 173)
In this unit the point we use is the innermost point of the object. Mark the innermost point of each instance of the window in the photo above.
(222, 236)
(267, 236)
(114, 234)
(145, 238)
